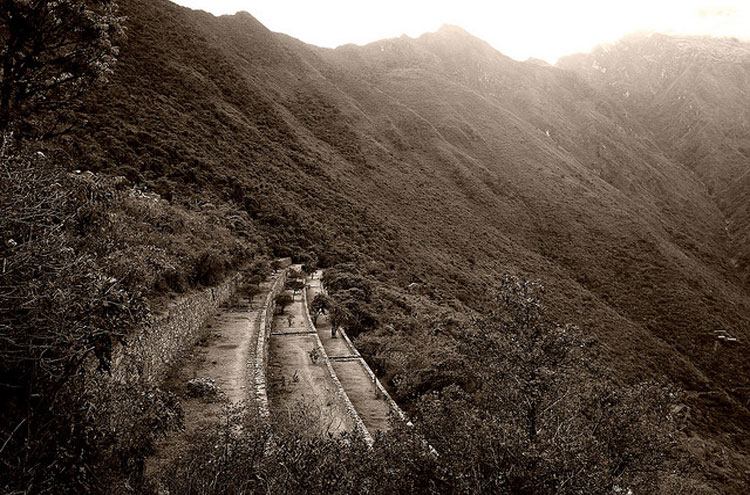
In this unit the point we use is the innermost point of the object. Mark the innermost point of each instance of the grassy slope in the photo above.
(431, 156)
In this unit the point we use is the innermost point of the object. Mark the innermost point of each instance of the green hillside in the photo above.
(436, 165)
(431, 157)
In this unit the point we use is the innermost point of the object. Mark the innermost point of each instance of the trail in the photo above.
(300, 388)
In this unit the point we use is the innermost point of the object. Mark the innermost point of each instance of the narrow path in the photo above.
(301, 392)
(221, 355)
(367, 399)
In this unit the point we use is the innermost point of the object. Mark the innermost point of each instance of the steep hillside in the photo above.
(439, 161)
(691, 93)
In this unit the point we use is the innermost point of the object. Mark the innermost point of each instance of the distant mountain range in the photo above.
(620, 178)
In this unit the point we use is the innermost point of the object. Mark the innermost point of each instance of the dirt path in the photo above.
(365, 396)
(300, 390)
(221, 355)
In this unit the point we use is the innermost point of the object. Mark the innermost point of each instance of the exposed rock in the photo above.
(203, 387)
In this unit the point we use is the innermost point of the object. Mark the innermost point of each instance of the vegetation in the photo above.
(295, 285)
(320, 305)
(352, 296)
(530, 409)
(365, 161)
(282, 301)
(50, 52)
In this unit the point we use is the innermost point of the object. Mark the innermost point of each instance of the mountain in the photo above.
(689, 92)
(615, 178)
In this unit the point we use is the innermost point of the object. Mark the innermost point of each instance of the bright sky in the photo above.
(545, 29)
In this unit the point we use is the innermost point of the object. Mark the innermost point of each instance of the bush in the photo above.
(211, 268)
(60, 311)
(282, 301)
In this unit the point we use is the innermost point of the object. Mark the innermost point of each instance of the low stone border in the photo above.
(358, 423)
(392, 403)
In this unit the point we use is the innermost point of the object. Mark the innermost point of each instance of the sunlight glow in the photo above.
(520, 29)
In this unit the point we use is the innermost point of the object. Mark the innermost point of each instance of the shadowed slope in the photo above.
(445, 163)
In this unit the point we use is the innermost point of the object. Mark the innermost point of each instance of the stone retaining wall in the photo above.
(391, 403)
(153, 348)
(258, 360)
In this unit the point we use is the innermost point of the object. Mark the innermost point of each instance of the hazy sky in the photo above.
(520, 28)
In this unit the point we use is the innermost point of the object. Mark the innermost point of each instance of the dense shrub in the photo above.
(211, 268)
(239, 456)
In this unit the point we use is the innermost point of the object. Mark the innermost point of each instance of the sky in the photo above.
(544, 29)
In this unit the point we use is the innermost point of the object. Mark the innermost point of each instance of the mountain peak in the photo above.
(453, 29)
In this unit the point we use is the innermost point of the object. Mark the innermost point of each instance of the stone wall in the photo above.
(149, 352)
(258, 360)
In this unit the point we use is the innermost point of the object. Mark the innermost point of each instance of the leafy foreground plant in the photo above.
(538, 413)
(64, 426)
(240, 456)
(51, 52)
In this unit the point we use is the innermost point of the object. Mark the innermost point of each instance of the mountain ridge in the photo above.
(450, 163)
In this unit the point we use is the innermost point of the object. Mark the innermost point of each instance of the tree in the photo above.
(52, 51)
(249, 291)
(259, 270)
(295, 286)
(551, 417)
(345, 277)
(340, 316)
(283, 301)
(310, 268)
(255, 280)
(321, 304)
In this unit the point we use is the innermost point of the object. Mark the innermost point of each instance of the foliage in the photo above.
(295, 285)
(249, 291)
(51, 51)
(310, 267)
(239, 457)
(61, 311)
(352, 293)
(282, 301)
(71, 287)
(536, 411)
(320, 305)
